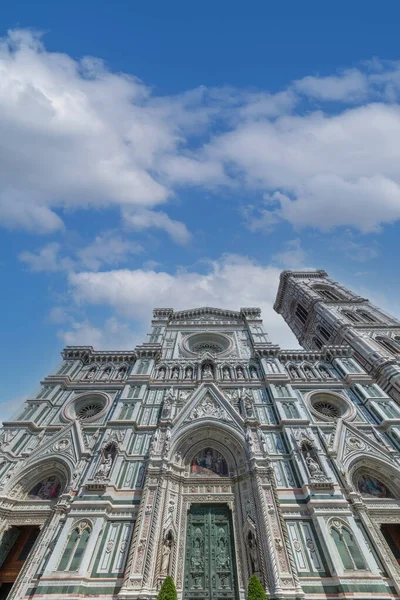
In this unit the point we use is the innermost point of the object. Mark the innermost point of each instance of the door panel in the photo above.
(210, 569)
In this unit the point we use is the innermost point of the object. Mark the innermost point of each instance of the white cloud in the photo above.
(111, 334)
(146, 219)
(46, 259)
(352, 85)
(75, 136)
(108, 248)
(321, 171)
(293, 256)
(230, 282)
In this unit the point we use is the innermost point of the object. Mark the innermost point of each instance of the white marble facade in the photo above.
(301, 446)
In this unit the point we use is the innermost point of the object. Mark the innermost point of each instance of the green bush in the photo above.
(255, 590)
(168, 590)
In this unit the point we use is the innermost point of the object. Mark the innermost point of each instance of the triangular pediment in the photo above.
(350, 442)
(68, 443)
(209, 403)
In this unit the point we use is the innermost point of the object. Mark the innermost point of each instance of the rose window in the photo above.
(212, 342)
(327, 409)
(89, 410)
(327, 406)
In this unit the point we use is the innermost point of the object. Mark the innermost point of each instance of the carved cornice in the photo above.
(87, 354)
(148, 351)
(204, 311)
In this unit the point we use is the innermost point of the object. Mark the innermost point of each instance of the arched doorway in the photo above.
(17, 542)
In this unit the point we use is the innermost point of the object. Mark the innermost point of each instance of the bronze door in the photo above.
(210, 568)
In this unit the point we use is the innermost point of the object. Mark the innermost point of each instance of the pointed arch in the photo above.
(380, 472)
(75, 546)
(346, 545)
(23, 483)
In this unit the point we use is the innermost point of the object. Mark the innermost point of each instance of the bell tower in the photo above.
(322, 312)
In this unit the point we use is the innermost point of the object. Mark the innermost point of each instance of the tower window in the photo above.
(352, 316)
(389, 345)
(366, 316)
(325, 333)
(301, 313)
(318, 343)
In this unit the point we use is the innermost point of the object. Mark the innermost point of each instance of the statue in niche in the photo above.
(312, 462)
(166, 553)
(91, 373)
(121, 373)
(240, 373)
(248, 402)
(47, 489)
(308, 372)
(175, 373)
(153, 443)
(161, 373)
(313, 466)
(253, 373)
(226, 374)
(106, 373)
(167, 441)
(370, 486)
(249, 439)
(207, 371)
(108, 455)
(209, 462)
(253, 553)
(188, 373)
(168, 402)
(104, 469)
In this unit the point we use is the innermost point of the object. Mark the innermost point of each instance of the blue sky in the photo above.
(180, 154)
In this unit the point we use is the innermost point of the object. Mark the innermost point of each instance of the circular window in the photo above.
(327, 409)
(88, 410)
(330, 406)
(86, 407)
(199, 343)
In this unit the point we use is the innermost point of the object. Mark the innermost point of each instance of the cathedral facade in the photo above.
(209, 453)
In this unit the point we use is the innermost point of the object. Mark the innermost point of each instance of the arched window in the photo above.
(301, 313)
(366, 316)
(352, 316)
(324, 332)
(347, 547)
(388, 344)
(328, 293)
(318, 343)
(75, 548)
